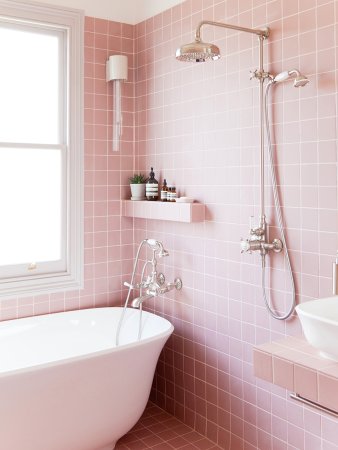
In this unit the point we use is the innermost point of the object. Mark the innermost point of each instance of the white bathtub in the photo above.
(64, 385)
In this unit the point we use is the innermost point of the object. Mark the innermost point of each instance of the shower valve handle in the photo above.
(245, 246)
(253, 74)
(250, 245)
(257, 231)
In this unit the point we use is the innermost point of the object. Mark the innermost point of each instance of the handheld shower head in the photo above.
(299, 80)
(198, 51)
(157, 246)
(281, 77)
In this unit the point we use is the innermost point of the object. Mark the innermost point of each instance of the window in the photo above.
(41, 179)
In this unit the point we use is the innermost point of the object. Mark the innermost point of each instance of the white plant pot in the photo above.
(138, 192)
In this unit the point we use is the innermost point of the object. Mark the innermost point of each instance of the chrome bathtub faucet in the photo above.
(154, 284)
(160, 287)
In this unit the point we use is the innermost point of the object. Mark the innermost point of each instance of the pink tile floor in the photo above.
(158, 430)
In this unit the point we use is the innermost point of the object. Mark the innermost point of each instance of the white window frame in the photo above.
(66, 274)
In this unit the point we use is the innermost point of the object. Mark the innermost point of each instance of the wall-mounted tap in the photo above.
(158, 288)
(154, 284)
(151, 285)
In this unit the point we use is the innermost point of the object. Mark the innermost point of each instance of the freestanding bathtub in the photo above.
(64, 385)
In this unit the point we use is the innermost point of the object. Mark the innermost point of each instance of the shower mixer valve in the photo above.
(258, 241)
(259, 74)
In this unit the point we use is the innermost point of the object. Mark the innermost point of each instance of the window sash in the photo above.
(61, 34)
(67, 273)
(37, 268)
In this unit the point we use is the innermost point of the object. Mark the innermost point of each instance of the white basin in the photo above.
(319, 319)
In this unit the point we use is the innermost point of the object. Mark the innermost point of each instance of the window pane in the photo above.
(30, 199)
(29, 86)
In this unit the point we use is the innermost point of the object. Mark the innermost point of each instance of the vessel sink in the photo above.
(319, 320)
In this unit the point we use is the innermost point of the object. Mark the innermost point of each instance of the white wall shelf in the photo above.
(176, 212)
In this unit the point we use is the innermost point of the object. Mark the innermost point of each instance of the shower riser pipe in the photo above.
(261, 119)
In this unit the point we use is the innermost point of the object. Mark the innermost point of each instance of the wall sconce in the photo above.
(117, 71)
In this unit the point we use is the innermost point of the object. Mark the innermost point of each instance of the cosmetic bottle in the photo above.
(169, 193)
(152, 187)
(164, 191)
(173, 194)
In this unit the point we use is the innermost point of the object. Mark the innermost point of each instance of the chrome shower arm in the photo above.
(260, 75)
(265, 32)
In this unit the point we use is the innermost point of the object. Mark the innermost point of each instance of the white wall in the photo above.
(126, 11)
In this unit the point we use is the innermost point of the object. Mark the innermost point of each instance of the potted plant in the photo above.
(138, 186)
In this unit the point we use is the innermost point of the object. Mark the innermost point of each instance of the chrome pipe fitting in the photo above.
(258, 241)
(276, 246)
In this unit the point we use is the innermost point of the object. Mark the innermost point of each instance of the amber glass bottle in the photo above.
(152, 187)
(173, 194)
(164, 191)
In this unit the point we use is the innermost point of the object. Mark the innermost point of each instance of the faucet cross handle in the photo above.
(253, 74)
(178, 284)
(259, 231)
(245, 246)
(161, 279)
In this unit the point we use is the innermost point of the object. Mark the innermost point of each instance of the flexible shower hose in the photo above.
(272, 311)
(118, 330)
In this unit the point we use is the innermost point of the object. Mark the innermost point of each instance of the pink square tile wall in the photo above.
(108, 236)
(197, 125)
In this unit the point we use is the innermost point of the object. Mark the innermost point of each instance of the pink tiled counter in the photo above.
(177, 212)
(294, 364)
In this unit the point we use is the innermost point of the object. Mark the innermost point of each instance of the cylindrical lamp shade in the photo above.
(117, 68)
(117, 71)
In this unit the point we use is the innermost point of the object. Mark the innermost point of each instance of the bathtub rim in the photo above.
(92, 354)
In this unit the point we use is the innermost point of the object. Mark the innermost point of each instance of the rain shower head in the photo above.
(198, 51)
(299, 80)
